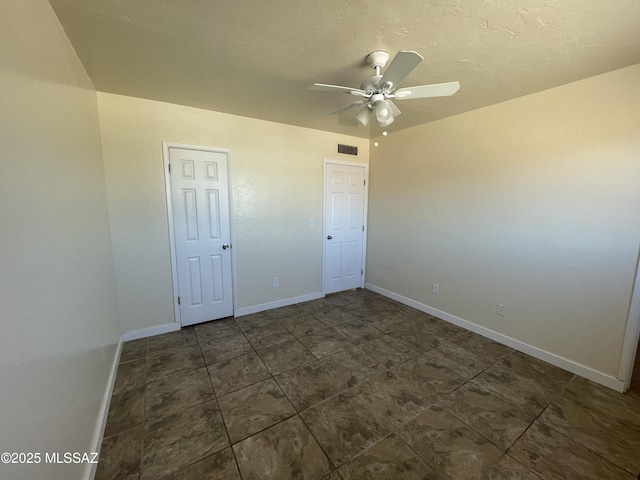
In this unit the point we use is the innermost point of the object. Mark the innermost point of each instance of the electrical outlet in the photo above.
(435, 288)
(275, 281)
(312, 223)
(500, 310)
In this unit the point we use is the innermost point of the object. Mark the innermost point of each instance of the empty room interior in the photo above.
(319, 240)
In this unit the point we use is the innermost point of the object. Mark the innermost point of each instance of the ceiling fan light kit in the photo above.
(383, 112)
(365, 115)
(387, 122)
(378, 90)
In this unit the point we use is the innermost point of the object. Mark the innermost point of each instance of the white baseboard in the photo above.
(172, 327)
(553, 359)
(104, 412)
(277, 304)
(150, 331)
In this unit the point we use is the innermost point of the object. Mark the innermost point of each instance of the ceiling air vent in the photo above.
(348, 149)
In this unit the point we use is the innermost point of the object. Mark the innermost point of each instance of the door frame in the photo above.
(632, 333)
(326, 162)
(172, 241)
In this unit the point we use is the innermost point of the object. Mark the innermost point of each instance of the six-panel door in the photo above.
(200, 196)
(344, 227)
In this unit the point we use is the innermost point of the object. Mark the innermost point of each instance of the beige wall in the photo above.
(276, 187)
(59, 328)
(533, 203)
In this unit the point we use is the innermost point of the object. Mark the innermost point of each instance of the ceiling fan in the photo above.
(377, 91)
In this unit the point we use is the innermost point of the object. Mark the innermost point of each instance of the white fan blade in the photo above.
(323, 87)
(426, 91)
(403, 64)
(344, 107)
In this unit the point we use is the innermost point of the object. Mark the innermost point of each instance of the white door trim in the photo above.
(172, 246)
(365, 214)
(632, 335)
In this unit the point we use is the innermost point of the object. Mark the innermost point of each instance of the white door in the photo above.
(200, 197)
(343, 227)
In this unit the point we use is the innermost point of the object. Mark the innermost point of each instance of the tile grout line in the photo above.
(326, 454)
(266, 428)
(299, 413)
(224, 423)
(531, 425)
(574, 440)
(470, 381)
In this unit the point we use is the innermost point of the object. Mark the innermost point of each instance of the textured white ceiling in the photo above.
(256, 57)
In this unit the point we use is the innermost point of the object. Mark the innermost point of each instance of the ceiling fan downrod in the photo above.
(378, 60)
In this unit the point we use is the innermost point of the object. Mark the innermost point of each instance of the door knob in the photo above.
(225, 246)
(329, 237)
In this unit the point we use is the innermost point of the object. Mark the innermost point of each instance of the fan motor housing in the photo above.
(371, 85)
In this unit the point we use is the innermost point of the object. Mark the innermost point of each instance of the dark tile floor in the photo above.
(356, 386)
